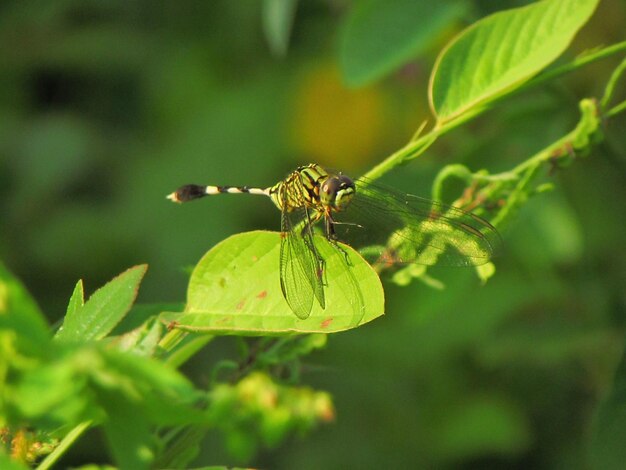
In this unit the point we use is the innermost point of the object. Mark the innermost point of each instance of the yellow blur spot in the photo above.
(334, 125)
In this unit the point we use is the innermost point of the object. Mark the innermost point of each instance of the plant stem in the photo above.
(65, 443)
(575, 64)
(418, 146)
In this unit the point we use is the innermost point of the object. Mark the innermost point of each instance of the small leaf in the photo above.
(104, 309)
(379, 36)
(278, 17)
(502, 51)
(77, 300)
(235, 289)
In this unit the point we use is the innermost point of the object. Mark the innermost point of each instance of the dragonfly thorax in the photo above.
(336, 192)
(312, 187)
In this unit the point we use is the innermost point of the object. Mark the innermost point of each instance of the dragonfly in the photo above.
(388, 227)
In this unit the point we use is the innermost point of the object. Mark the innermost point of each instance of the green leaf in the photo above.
(235, 289)
(104, 309)
(20, 313)
(278, 17)
(379, 36)
(77, 300)
(500, 52)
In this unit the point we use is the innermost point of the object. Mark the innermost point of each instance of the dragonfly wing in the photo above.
(396, 228)
(342, 270)
(301, 266)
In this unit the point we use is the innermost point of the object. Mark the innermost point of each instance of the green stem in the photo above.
(580, 138)
(616, 109)
(575, 64)
(610, 86)
(177, 346)
(171, 339)
(189, 346)
(65, 443)
(418, 146)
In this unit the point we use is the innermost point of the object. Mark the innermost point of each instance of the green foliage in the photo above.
(64, 387)
(443, 372)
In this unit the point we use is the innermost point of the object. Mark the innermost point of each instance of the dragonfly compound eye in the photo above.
(337, 192)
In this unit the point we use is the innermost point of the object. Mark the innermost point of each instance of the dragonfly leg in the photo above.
(307, 235)
(331, 236)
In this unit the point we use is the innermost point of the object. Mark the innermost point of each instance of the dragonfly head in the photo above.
(336, 192)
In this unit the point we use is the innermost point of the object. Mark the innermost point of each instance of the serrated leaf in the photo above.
(235, 289)
(104, 309)
(379, 36)
(502, 51)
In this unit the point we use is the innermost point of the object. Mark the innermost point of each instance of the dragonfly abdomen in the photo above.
(190, 192)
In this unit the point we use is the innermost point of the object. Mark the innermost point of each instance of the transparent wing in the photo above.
(390, 227)
(301, 267)
(338, 261)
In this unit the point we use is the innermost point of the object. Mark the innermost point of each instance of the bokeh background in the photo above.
(105, 107)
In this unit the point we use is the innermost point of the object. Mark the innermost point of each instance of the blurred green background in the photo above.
(106, 107)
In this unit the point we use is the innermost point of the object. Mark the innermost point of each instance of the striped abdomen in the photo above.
(190, 192)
